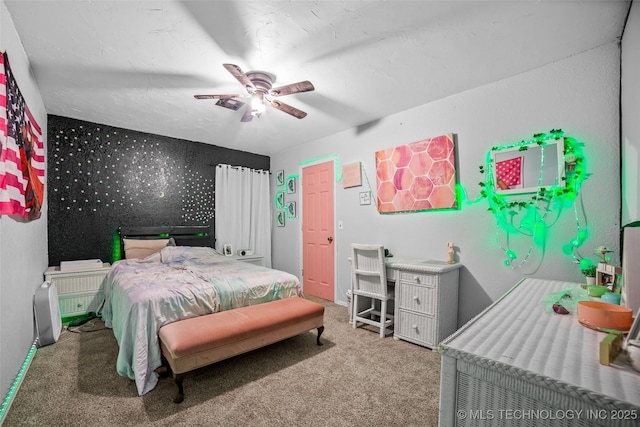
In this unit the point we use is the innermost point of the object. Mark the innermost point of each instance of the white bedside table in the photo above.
(79, 292)
(251, 259)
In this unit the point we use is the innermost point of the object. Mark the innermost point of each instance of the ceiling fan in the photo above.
(259, 87)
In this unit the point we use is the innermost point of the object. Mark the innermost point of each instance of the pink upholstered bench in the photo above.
(199, 341)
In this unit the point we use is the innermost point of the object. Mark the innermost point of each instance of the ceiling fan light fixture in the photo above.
(257, 104)
(259, 88)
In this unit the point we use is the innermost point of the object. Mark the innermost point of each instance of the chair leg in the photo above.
(353, 310)
(383, 318)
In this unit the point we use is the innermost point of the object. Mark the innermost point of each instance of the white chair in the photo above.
(369, 279)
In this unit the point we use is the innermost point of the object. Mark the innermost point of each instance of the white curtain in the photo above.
(243, 211)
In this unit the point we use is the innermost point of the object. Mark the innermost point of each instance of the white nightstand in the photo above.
(79, 292)
(251, 259)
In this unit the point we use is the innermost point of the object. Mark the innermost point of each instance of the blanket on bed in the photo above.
(179, 282)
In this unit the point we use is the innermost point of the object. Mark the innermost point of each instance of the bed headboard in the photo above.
(183, 235)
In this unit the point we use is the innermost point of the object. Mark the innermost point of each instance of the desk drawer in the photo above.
(417, 328)
(421, 299)
(419, 278)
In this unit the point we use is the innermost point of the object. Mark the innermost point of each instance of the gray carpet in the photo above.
(355, 379)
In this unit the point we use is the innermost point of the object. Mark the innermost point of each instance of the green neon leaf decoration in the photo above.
(533, 217)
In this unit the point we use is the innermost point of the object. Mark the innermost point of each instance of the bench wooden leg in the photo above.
(320, 331)
(180, 396)
(165, 370)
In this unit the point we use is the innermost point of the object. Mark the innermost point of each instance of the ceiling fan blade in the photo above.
(288, 109)
(217, 96)
(304, 86)
(230, 103)
(247, 116)
(240, 76)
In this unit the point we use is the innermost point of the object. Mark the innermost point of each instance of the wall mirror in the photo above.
(529, 167)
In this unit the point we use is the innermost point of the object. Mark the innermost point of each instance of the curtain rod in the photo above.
(219, 165)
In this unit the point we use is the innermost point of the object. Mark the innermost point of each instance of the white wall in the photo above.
(630, 101)
(579, 94)
(23, 246)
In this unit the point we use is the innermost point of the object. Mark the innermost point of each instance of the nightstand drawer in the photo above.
(419, 278)
(418, 298)
(249, 259)
(77, 304)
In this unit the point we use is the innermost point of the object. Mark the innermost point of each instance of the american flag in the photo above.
(22, 156)
(510, 172)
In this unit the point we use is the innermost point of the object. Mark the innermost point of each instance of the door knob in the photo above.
(330, 239)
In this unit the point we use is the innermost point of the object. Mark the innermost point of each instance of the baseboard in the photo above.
(13, 390)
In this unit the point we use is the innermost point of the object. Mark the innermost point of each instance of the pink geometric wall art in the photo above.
(419, 176)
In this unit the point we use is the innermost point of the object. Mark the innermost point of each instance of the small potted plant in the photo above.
(589, 271)
(604, 253)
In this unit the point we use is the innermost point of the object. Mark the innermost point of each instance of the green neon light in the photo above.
(163, 235)
(533, 217)
(8, 400)
(116, 248)
(336, 164)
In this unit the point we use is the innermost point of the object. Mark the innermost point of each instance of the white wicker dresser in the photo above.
(517, 365)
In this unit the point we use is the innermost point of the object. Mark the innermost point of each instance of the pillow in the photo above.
(142, 248)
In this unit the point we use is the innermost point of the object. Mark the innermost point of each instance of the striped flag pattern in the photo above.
(22, 159)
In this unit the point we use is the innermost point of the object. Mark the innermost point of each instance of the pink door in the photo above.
(317, 231)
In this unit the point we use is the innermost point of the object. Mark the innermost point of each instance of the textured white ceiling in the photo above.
(137, 64)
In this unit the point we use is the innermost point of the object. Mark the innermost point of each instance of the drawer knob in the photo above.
(414, 326)
(416, 278)
(416, 299)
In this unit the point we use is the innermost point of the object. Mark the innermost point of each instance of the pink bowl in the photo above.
(601, 315)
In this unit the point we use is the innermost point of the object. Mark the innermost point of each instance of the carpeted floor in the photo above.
(355, 379)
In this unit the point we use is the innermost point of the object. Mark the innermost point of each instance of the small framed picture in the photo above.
(291, 185)
(228, 251)
(280, 178)
(365, 197)
(279, 199)
(291, 210)
(607, 275)
(280, 218)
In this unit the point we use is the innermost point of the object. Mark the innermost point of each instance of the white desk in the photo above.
(425, 301)
(395, 265)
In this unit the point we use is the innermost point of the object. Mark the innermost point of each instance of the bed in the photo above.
(172, 283)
